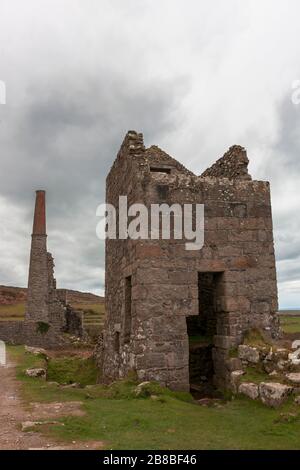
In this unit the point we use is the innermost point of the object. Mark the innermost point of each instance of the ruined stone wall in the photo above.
(30, 333)
(164, 275)
(123, 179)
(74, 322)
(37, 301)
(57, 308)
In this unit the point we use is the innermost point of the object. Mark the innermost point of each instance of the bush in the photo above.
(65, 370)
(42, 327)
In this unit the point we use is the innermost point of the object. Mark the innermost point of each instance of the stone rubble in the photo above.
(249, 389)
(274, 394)
(248, 353)
(296, 344)
(294, 377)
(279, 363)
(37, 372)
(295, 357)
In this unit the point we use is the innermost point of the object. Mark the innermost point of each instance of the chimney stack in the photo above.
(39, 222)
(38, 279)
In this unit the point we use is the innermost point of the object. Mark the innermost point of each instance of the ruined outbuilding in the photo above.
(175, 315)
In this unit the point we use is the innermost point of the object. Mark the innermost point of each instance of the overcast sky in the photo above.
(194, 76)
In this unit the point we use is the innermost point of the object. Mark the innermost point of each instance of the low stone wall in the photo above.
(30, 333)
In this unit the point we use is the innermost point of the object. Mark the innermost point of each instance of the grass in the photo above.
(290, 324)
(37, 389)
(169, 421)
(67, 370)
(94, 313)
(257, 375)
(200, 339)
(254, 338)
(93, 316)
(12, 312)
(98, 308)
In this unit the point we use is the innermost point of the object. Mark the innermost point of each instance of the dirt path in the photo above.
(12, 414)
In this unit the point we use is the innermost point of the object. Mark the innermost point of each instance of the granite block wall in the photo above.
(164, 275)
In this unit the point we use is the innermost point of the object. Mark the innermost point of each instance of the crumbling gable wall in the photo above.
(234, 164)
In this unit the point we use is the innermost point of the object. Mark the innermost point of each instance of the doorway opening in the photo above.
(201, 330)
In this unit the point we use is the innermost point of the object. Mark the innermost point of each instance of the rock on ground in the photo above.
(295, 357)
(12, 415)
(29, 425)
(296, 344)
(139, 390)
(274, 394)
(235, 377)
(249, 389)
(248, 353)
(39, 372)
(35, 351)
(294, 377)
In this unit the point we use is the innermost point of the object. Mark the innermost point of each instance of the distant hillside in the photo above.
(16, 295)
(74, 296)
(12, 295)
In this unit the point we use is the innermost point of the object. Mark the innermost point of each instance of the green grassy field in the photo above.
(290, 324)
(94, 313)
(166, 421)
(12, 312)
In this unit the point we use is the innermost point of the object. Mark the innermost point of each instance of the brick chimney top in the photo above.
(39, 221)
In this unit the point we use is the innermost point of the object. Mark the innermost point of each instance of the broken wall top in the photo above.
(233, 165)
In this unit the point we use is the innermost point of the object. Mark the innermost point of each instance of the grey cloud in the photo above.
(66, 145)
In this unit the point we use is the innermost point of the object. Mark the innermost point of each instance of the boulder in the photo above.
(296, 344)
(294, 377)
(273, 373)
(283, 365)
(248, 353)
(35, 351)
(72, 385)
(39, 372)
(294, 357)
(141, 388)
(274, 394)
(235, 378)
(249, 389)
(30, 425)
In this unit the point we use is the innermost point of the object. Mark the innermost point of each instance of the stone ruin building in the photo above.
(48, 315)
(174, 315)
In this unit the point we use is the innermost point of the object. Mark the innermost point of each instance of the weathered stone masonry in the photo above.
(153, 286)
